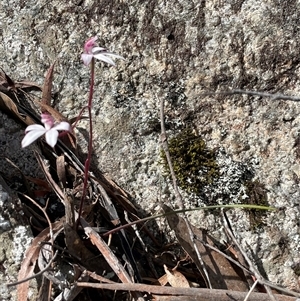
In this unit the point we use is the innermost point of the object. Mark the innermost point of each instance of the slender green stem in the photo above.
(244, 206)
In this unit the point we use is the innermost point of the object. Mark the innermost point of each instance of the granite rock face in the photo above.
(180, 51)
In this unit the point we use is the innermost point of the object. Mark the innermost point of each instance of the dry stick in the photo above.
(185, 210)
(136, 231)
(99, 278)
(225, 255)
(109, 256)
(251, 266)
(177, 193)
(199, 294)
(255, 93)
(46, 216)
(251, 290)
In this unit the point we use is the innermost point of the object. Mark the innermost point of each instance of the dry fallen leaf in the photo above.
(7, 84)
(47, 88)
(30, 260)
(8, 105)
(220, 271)
(175, 278)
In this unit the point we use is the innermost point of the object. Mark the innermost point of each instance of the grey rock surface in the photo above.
(15, 231)
(177, 50)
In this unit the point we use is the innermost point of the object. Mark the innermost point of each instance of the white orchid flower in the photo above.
(92, 51)
(34, 131)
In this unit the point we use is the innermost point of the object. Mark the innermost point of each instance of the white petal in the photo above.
(35, 127)
(32, 136)
(105, 59)
(115, 55)
(62, 126)
(86, 58)
(51, 137)
(96, 50)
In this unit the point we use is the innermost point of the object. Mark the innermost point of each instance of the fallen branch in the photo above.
(201, 294)
(255, 93)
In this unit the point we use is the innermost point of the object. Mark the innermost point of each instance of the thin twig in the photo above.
(45, 213)
(177, 193)
(225, 255)
(47, 267)
(136, 231)
(252, 268)
(251, 290)
(278, 288)
(245, 206)
(255, 93)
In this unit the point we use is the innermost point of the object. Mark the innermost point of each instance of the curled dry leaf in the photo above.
(7, 84)
(175, 278)
(30, 259)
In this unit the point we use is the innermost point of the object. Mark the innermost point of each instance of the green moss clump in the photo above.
(257, 195)
(194, 164)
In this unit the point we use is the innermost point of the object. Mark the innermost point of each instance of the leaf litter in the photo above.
(82, 263)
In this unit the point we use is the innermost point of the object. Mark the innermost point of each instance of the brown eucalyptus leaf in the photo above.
(75, 244)
(47, 108)
(175, 278)
(9, 84)
(47, 88)
(77, 248)
(44, 290)
(220, 271)
(49, 178)
(27, 85)
(30, 260)
(61, 170)
(108, 254)
(40, 182)
(7, 81)
(7, 105)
